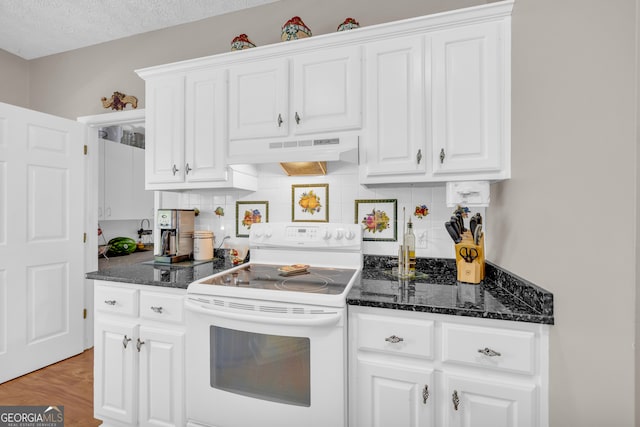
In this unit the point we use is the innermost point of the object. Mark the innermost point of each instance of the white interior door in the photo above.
(41, 240)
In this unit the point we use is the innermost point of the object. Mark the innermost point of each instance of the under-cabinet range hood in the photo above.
(340, 148)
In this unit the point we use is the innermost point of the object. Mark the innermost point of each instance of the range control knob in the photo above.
(325, 234)
(339, 234)
(349, 235)
(268, 233)
(256, 233)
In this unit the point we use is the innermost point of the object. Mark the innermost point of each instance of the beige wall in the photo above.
(566, 219)
(14, 79)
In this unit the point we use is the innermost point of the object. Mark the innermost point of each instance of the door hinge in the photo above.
(84, 313)
(86, 149)
(84, 239)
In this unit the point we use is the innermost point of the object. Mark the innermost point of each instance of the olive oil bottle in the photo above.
(410, 251)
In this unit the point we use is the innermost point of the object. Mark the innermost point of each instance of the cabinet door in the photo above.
(327, 91)
(470, 93)
(258, 100)
(164, 159)
(473, 402)
(118, 181)
(161, 377)
(395, 142)
(115, 373)
(205, 136)
(389, 395)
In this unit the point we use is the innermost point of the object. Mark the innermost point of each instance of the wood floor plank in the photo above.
(68, 383)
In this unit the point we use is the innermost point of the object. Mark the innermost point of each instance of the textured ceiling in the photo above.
(35, 28)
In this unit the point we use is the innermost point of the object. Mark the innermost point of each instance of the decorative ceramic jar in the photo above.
(295, 29)
(241, 42)
(348, 24)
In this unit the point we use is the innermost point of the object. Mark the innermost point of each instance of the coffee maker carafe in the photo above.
(176, 234)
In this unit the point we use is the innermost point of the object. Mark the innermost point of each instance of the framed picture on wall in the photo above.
(310, 202)
(379, 219)
(249, 213)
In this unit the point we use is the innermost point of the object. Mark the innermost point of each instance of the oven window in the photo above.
(268, 367)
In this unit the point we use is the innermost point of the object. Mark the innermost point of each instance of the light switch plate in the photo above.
(421, 239)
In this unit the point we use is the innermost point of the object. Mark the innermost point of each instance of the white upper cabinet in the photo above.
(164, 145)
(205, 134)
(327, 91)
(426, 99)
(259, 100)
(324, 90)
(187, 133)
(394, 138)
(471, 101)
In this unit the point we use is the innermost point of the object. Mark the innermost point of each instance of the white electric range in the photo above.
(267, 347)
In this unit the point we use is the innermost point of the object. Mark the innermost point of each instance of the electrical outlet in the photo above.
(421, 239)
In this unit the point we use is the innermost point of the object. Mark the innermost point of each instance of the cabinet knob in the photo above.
(419, 156)
(394, 339)
(174, 169)
(110, 302)
(279, 120)
(156, 309)
(139, 344)
(442, 155)
(425, 394)
(125, 341)
(455, 399)
(489, 352)
(187, 169)
(297, 117)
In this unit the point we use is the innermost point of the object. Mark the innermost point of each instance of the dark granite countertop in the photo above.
(501, 295)
(178, 275)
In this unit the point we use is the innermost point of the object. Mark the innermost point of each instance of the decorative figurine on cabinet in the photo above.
(119, 101)
(241, 42)
(348, 24)
(295, 29)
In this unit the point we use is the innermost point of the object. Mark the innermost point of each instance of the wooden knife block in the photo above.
(470, 272)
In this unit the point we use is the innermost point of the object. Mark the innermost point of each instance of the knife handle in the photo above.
(453, 232)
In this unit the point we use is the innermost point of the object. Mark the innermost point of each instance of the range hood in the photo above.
(341, 148)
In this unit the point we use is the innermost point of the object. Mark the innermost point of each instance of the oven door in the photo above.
(265, 364)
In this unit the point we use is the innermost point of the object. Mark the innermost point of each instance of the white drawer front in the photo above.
(109, 299)
(159, 306)
(501, 349)
(410, 337)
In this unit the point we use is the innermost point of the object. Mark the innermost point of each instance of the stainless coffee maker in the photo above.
(176, 234)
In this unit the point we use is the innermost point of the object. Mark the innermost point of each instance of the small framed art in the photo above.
(379, 219)
(249, 213)
(310, 203)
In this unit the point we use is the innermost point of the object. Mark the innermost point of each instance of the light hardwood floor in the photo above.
(68, 383)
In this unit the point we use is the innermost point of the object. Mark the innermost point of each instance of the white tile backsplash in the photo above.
(275, 187)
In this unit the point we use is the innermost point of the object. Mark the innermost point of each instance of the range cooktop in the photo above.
(321, 280)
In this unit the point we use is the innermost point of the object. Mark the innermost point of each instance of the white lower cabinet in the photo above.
(411, 369)
(139, 356)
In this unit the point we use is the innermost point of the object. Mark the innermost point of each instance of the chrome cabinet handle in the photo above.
(139, 344)
(419, 156)
(279, 120)
(110, 302)
(187, 169)
(125, 341)
(455, 399)
(297, 117)
(442, 155)
(425, 394)
(156, 309)
(489, 352)
(394, 339)
(174, 169)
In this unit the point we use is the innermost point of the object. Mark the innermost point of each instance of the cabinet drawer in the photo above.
(158, 306)
(410, 337)
(501, 349)
(109, 299)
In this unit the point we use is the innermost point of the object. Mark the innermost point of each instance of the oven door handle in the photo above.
(320, 320)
